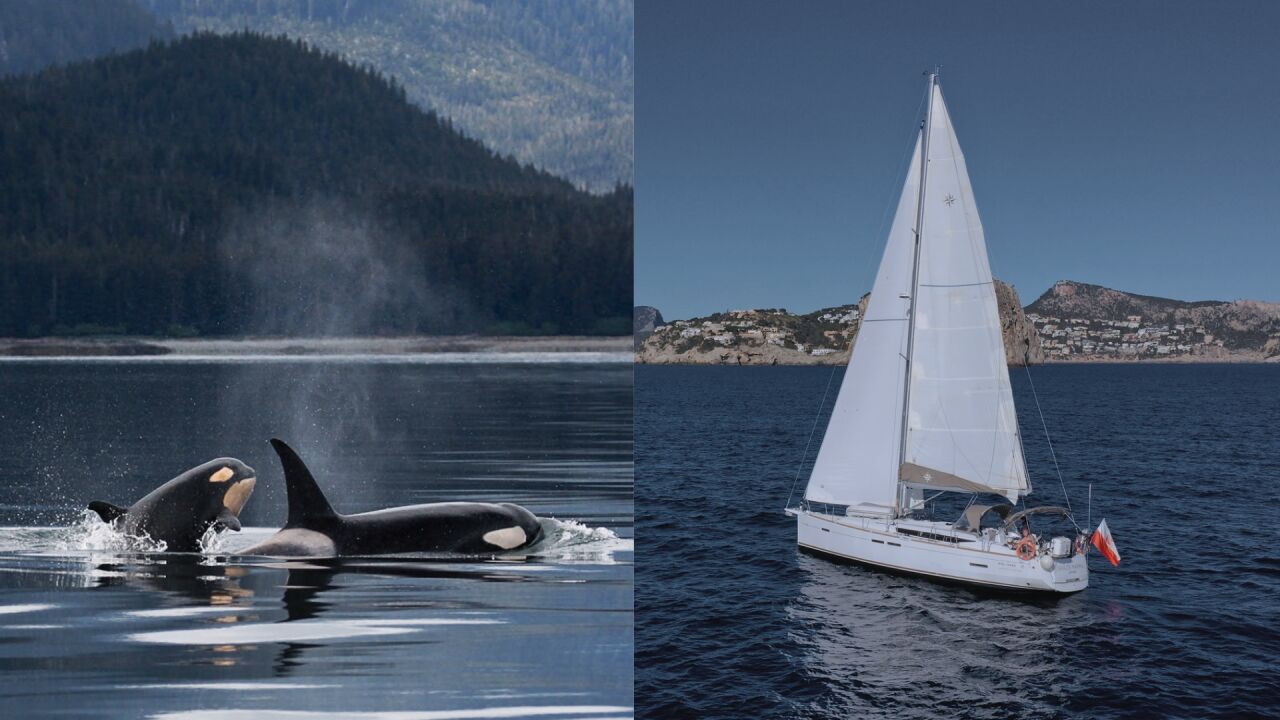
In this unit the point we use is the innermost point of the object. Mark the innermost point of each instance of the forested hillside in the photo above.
(244, 184)
(37, 33)
(548, 82)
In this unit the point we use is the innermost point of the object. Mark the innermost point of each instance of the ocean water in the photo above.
(92, 625)
(732, 621)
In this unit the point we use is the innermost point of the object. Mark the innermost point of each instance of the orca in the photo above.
(179, 512)
(315, 529)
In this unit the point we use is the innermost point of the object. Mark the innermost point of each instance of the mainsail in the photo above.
(961, 429)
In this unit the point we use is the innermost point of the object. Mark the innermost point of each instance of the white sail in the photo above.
(962, 429)
(858, 462)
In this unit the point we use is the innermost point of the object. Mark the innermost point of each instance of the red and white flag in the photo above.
(1102, 540)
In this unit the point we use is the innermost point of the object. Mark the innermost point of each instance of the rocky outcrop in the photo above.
(1021, 342)
(824, 337)
(644, 319)
(1271, 349)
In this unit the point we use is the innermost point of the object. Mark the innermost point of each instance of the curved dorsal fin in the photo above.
(107, 511)
(306, 503)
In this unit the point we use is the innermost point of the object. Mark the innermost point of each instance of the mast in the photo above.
(915, 275)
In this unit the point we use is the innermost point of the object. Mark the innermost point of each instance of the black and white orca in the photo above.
(179, 512)
(314, 529)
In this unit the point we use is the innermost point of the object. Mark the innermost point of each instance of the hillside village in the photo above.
(776, 337)
(1079, 321)
(755, 337)
(1133, 337)
(1071, 322)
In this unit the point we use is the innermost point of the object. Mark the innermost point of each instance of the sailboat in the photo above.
(926, 406)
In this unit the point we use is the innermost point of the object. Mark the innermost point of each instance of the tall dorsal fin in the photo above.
(306, 503)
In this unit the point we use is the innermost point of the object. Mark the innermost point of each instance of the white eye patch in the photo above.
(506, 538)
(222, 475)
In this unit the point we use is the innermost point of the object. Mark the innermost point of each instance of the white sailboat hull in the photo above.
(879, 542)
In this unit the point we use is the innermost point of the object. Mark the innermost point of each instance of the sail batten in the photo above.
(932, 310)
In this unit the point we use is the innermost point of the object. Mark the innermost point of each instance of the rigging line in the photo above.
(814, 429)
(905, 164)
(1026, 366)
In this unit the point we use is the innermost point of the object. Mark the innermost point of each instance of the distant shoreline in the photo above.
(1243, 357)
(146, 347)
(1238, 358)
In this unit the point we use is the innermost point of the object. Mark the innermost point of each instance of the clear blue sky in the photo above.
(1131, 144)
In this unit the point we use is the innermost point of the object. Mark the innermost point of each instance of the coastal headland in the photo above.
(1071, 322)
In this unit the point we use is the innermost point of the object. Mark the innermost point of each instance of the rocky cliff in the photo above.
(823, 337)
(1021, 343)
(644, 320)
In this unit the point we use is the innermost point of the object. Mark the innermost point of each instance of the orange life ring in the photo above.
(1026, 548)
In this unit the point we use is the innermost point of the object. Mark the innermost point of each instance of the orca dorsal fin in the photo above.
(108, 512)
(307, 503)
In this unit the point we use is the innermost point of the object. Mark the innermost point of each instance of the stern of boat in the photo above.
(1068, 574)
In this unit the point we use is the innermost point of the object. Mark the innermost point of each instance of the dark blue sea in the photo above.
(733, 622)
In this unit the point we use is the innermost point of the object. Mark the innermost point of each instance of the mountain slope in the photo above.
(548, 82)
(1068, 298)
(1241, 324)
(231, 184)
(35, 34)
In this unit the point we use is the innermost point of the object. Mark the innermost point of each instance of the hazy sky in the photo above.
(1131, 144)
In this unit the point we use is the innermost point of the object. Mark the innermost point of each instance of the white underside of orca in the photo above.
(298, 542)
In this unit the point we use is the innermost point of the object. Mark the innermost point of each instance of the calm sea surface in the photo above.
(90, 627)
(733, 622)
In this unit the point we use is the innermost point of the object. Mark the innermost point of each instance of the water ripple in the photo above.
(733, 622)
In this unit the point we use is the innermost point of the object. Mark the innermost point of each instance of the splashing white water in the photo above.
(571, 532)
(572, 541)
(213, 542)
(90, 533)
(564, 541)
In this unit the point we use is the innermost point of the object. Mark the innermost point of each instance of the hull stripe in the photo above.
(925, 573)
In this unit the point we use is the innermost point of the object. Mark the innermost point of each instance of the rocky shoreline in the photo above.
(233, 347)
(1229, 357)
(1072, 322)
(777, 337)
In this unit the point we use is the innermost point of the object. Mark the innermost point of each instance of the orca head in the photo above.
(225, 485)
(211, 494)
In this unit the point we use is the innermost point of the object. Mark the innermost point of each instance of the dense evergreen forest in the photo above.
(548, 81)
(35, 34)
(233, 184)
